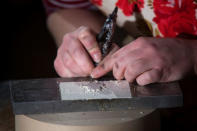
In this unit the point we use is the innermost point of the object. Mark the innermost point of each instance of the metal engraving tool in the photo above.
(104, 38)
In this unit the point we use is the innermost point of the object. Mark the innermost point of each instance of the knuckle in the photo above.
(78, 51)
(153, 49)
(116, 73)
(56, 63)
(68, 63)
(117, 77)
(82, 27)
(67, 60)
(141, 38)
(128, 75)
(59, 70)
(84, 32)
(160, 64)
(141, 41)
(59, 51)
(67, 37)
(62, 74)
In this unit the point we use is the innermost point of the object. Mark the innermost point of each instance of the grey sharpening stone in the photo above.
(60, 95)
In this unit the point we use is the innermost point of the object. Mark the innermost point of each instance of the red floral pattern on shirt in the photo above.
(97, 2)
(128, 6)
(175, 17)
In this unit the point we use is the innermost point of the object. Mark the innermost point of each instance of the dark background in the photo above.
(28, 51)
(28, 48)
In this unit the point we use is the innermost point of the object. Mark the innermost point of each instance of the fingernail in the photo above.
(97, 57)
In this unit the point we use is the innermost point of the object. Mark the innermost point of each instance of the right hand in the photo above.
(73, 56)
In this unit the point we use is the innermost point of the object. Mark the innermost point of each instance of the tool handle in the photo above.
(104, 38)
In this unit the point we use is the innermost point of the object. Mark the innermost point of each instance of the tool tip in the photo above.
(114, 13)
(115, 10)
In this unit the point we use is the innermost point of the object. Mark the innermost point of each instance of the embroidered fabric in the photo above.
(160, 18)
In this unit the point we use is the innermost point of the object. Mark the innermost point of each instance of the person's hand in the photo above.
(74, 57)
(149, 60)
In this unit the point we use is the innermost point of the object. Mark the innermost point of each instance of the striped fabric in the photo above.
(52, 5)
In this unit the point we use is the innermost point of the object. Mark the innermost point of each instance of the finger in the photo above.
(81, 57)
(118, 71)
(135, 69)
(88, 39)
(149, 77)
(106, 65)
(60, 68)
(71, 64)
(122, 61)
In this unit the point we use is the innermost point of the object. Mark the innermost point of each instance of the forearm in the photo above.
(64, 21)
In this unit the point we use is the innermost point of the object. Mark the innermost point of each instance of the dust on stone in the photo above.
(89, 89)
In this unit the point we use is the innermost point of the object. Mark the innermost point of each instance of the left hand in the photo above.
(149, 60)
